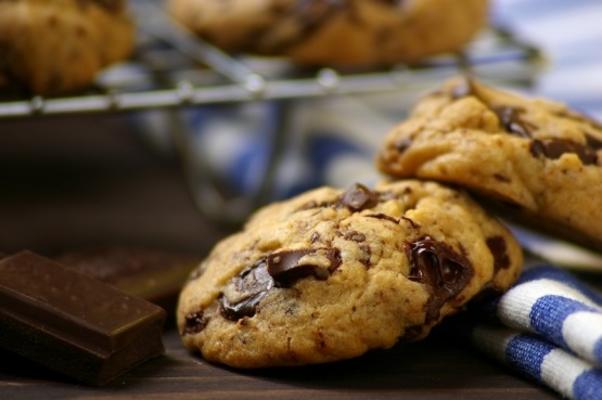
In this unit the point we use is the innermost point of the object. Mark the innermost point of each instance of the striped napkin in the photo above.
(549, 328)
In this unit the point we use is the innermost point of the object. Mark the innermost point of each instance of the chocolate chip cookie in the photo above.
(344, 33)
(54, 46)
(329, 275)
(539, 160)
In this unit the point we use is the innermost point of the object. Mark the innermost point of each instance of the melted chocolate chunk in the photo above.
(285, 269)
(441, 269)
(359, 197)
(365, 247)
(497, 246)
(510, 117)
(241, 297)
(194, 323)
(555, 148)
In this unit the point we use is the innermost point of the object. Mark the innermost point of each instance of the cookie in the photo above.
(537, 160)
(340, 33)
(329, 275)
(54, 46)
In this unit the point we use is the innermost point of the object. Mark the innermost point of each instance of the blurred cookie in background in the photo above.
(331, 274)
(50, 47)
(342, 33)
(539, 161)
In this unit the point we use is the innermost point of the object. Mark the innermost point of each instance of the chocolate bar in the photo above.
(72, 323)
(154, 275)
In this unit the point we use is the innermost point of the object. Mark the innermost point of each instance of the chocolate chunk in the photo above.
(194, 323)
(359, 197)
(286, 269)
(74, 324)
(497, 246)
(365, 247)
(555, 148)
(154, 275)
(510, 117)
(241, 297)
(441, 269)
(354, 236)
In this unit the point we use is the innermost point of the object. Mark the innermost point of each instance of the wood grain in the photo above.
(433, 369)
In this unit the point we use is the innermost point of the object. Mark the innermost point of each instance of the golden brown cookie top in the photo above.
(536, 155)
(331, 274)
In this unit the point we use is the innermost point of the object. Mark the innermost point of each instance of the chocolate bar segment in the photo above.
(154, 275)
(74, 324)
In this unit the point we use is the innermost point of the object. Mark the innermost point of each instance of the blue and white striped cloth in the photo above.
(548, 327)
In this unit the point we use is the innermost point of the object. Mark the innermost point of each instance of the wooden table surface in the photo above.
(69, 183)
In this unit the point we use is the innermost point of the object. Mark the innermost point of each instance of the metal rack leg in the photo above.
(202, 182)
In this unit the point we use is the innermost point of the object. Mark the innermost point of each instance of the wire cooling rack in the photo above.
(172, 68)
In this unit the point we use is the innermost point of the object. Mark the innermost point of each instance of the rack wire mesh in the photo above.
(172, 68)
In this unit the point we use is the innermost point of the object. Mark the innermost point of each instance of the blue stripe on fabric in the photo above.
(526, 353)
(598, 351)
(548, 314)
(556, 274)
(588, 385)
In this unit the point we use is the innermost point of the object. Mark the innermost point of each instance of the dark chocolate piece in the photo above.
(555, 148)
(510, 117)
(440, 268)
(241, 297)
(74, 324)
(194, 323)
(285, 268)
(359, 197)
(154, 275)
(497, 246)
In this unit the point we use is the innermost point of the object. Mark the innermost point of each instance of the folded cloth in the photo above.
(548, 327)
